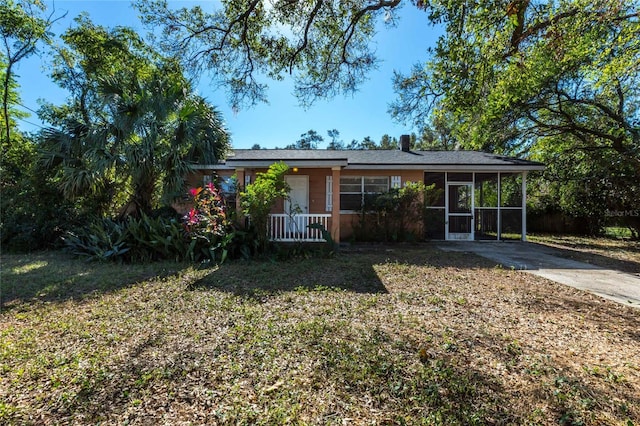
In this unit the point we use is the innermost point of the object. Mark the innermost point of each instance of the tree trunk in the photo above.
(5, 101)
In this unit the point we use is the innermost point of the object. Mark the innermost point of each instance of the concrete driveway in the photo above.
(547, 262)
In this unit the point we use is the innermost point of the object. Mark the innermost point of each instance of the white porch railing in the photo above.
(286, 227)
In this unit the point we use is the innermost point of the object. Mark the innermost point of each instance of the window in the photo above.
(228, 189)
(354, 188)
(228, 185)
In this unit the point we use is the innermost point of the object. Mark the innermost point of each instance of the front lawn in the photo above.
(380, 336)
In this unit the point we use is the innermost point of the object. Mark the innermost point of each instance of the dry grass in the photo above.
(615, 253)
(401, 336)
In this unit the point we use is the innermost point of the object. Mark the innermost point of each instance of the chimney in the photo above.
(405, 143)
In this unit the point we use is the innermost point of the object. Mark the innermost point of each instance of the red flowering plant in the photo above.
(206, 224)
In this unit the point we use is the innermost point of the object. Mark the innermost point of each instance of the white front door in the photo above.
(297, 206)
(459, 200)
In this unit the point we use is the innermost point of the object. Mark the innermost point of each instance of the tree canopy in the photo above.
(308, 140)
(23, 25)
(510, 73)
(325, 45)
(132, 125)
(500, 73)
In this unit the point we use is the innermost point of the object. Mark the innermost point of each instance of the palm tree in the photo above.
(153, 130)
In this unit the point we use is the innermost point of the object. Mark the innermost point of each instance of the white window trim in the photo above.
(362, 191)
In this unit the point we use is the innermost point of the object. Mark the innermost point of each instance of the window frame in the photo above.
(362, 191)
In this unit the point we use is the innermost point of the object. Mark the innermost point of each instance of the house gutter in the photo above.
(449, 167)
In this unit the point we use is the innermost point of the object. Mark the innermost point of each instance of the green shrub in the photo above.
(34, 217)
(396, 215)
(101, 240)
(156, 239)
(203, 234)
(243, 244)
(258, 199)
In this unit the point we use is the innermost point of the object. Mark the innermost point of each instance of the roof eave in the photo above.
(426, 167)
(450, 167)
(303, 163)
(218, 166)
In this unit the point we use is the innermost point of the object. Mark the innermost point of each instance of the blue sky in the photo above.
(282, 121)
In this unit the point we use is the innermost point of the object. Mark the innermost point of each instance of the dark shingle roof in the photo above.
(378, 158)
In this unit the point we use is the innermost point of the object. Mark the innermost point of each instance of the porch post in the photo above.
(335, 202)
(524, 206)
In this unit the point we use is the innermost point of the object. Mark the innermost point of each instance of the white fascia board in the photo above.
(220, 166)
(309, 164)
(446, 167)
(485, 168)
(343, 164)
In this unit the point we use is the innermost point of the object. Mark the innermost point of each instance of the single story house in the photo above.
(479, 196)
